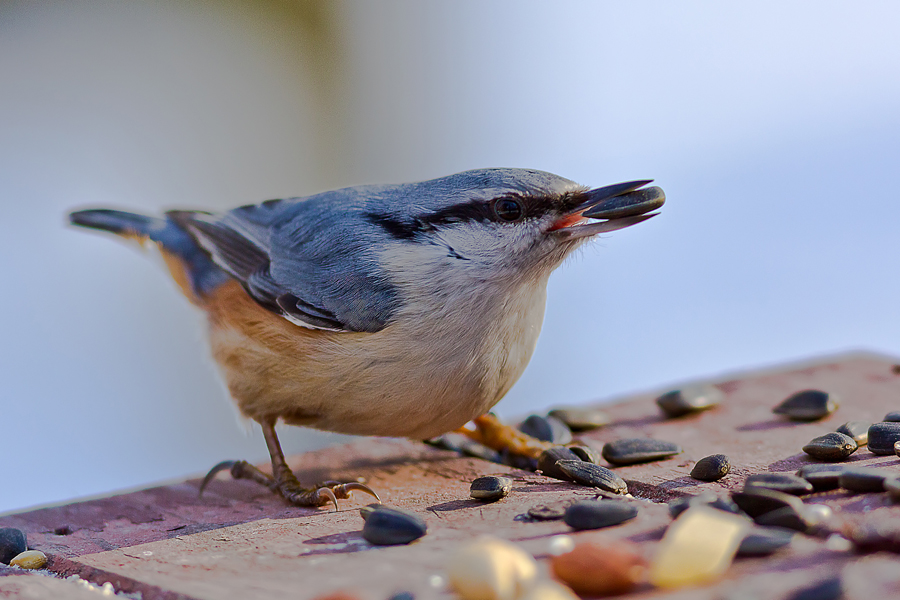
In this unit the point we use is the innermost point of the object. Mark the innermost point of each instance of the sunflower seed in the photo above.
(883, 436)
(549, 512)
(548, 459)
(892, 417)
(763, 541)
(547, 429)
(490, 488)
(863, 479)
(12, 543)
(858, 430)
(892, 486)
(711, 468)
(595, 514)
(458, 442)
(679, 505)
(678, 403)
(808, 405)
(822, 477)
(580, 419)
(759, 501)
(638, 450)
(788, 517)
(388, 526)
(779, 482)
(831, 447)
(586, 453)
(30, 559)
(829, 589)
(589, 474)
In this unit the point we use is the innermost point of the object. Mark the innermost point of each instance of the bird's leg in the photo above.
(283, 481)
(494, 434)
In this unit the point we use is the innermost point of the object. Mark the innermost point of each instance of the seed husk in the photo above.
(822, 477)
(490, 569)
(490, 488)
(831, 447)
(892, 487)
(865, 480)
(808, 405)
(638, 450)
(595, 569)
(548, 459)
(580, 419)
(882, 437)
(589, 474)
(547, 429)
(30, 559)
(892, 417)
(12, 543)
(595, 514)
(759, 501)
(549, 512)
(679, 505)
(711, 468)
(679, 403)
(585, 453)
(763, 541)
(388, 526)
(858, 430)
(458, 442)
(779, 482)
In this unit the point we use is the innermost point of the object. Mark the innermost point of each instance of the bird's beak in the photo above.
(615, 206)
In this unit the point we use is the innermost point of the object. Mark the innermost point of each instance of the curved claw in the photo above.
(323, 493)
(346, 488)
(225, 464)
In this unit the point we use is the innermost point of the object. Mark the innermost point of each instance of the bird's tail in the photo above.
(189, 264)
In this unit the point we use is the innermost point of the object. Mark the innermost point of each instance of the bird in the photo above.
(402, 310)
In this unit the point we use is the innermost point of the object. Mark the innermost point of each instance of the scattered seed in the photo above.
(892, 417)
(758, 501)
(586, 453)
(458, 442)
(548, 459)
(491, 569)
(12, 543)
(30, 559)
(580, 419)
(697, 548)
(858, 430)
(863, 479)
(549, 512)
(595, 514)
(822, 477)
(875, 535)
(892, 487)
(387, 526)
(883, 436)
(589, 474)
(368, 509)
(788, 517)
(518, 461)
(678, 506)
(678, 403)
(808, 405)
(547, 429)
(403, 596)
(711, 468)
(638, 450)
(779, 482)
(832, 447)
(830, 589)
(491, 488)
(595, 569)
(763, 541)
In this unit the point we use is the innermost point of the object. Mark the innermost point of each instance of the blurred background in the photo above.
(773, 128)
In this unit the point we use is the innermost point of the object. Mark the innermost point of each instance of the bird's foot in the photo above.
(494, 434)
(288, 487)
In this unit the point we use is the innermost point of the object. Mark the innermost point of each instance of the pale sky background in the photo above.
(773, 127)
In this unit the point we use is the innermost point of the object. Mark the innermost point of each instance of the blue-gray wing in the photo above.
(309, 260)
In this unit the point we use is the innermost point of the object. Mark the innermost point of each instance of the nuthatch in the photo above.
(393, 310)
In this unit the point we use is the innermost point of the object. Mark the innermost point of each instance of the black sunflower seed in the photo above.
(808, 405)
(779, 482)
(589, 474)
(892, 487)
(763, 541)
(882, 437)
(580, 419)
(548, 459)
(822, 477)
(711, 468)
(788, 517)
(458, 442)
(892, 417)
(865, 480)
(858, 430)
(638, 450)
(547, 429)
(594, 514)
(678, 403)
(829, 589)
(831, 447)
(679, 505)
(758, 501)
(388, 526)
(490, 488)
(585, 453)
(12, 543)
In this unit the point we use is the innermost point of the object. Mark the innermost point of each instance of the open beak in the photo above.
(610, 208)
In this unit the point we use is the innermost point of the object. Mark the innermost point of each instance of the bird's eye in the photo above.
(508, 209)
